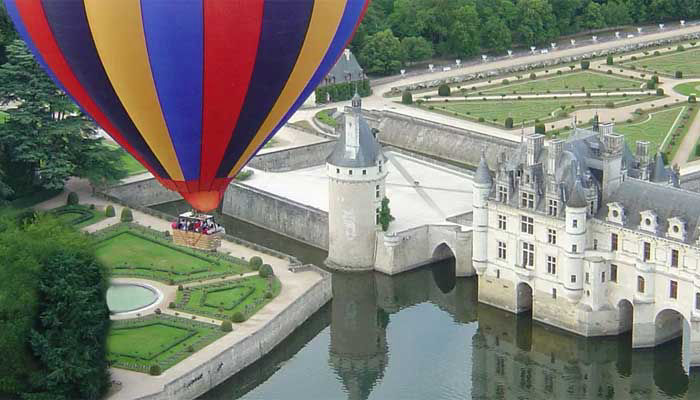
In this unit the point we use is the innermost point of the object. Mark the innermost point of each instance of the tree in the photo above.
(540, 128)
(385, 217)
(496, 35)
(464, 36)
(127, 215)
(46, 139)
(416, 48)
(536, 24)
(375, 20)
(444, 90)
(407, 97)
(382, 53)
(266, 271)
(592, 17)
(615, 13)
(255, 263)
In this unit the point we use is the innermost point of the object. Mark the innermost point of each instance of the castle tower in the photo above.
(481, 189)
(613, 146)
(357, 171)
(575, 241)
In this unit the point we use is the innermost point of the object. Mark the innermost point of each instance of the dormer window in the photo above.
(648, 221)
(615, 213)
(502, 194)
(676, 229)
(527, 200)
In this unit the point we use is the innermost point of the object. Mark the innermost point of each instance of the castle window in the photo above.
(380, 168)
(588, 281)
(364, 172)
(616, 213)
(337, 170)
(573, 278)
(574, 248)
(527, 225)
(551, 236)
(498, 273)
(640, 284)
(595, 244)
(602, 276)
(674, 258)
(673, 290)
(378, 213)
(613, 242)
(551, 265)
(574, 223)
(554, 293)
(502, 222)
(697, 301)
(528, 255)
(647, 251)
(502, 194)
(592, 207)
(349, 172)
(500, 365)
(553, 208)
(377, 192)
(502, 250)
(613, 273)
(527, 200)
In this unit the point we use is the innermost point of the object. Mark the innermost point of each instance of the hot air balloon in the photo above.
(191, 88)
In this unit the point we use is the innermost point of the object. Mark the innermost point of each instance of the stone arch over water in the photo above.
(670, 324)
(445, 275)
(523, 297)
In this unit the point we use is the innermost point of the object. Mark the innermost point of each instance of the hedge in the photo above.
(444, 90)
(509, 123)
(72, 199)
(342, 91)
(255, 263)
(609, 60)
(407, 97)
(266, 271)
(585, 64)
(109, 211)
(679, 74)
(127, 215)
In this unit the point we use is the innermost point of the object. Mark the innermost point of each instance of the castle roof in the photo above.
(482, 174)
(659, 173)
(577, 198)
(346, 65)
(368, 154)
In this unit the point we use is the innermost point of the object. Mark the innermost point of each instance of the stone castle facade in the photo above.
(591, 238)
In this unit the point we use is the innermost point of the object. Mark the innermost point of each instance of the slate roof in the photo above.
(482, 174)
(346, 65)
(369, 153)
(577, 198)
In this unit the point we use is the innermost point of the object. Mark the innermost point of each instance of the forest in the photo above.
(398, 32)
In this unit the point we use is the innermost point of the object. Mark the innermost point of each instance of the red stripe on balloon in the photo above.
(231, 35)
(34, 18)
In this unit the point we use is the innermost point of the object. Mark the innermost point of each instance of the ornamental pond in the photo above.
(423, 335)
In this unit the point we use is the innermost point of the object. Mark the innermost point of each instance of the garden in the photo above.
(154, 343)
(659, 128)
(133, 251)
(582, 81)
(687, 62)
(78, 215)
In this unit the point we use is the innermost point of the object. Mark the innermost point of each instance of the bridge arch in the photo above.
(443, 251)
(669, 324)
(523, 297)
(445, 273)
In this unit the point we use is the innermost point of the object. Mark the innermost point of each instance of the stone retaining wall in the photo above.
(294, 158)
(146, 192)
(239, 355)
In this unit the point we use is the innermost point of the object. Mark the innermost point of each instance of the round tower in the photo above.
(356, 186)
(481, 188)
(575, 241)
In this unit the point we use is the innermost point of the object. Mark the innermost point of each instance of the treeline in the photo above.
(396, 32)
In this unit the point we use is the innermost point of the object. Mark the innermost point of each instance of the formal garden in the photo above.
(663, 128)
(567, 83)
(134, 251)
(683, 60)
(154, 343)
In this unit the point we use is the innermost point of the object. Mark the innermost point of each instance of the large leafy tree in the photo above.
(536, 24)
(464, 36)
(382, 54)
(416, 48)
(46, 139)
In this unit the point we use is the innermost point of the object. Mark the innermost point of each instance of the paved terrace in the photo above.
(135, 384)
(420, 192)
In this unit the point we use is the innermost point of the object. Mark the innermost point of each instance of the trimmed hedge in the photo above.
(509, 123)
(266, 271)
(72, 199)
(407, 98)
(85, 215)
(154, 370)
(226, 326)
(238, 317)
(444, 90)
(109, 211)
(585, 64)
(342, 91)
(127, 215)
(679, 74)
(255, 263)
(540, 128)
(609, 60)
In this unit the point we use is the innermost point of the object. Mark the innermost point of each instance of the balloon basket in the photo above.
(197, 231)
(195, 240)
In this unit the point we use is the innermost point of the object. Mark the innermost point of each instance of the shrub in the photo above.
(692, 99)
(481, 119)
(680, 48)
(444, 90)
(697, 150)
(127, 215)
(109, 211)
(266, 271)
(505, 81)
(610, 72)
(268, 295)
(533, 76)
(559, 72)
(540, 128)
(655, 78)
(609, 60)
(180, 287)
(92, 206)
(190, 349)
(255, 262)
(509, 123)
(238, 317)
(634, 58)
(171, 305)
(610, 104)
(166, 233)
(679, 74)
(72, 199)
(656, 53)
(154, 370)
(585, 64)
(407, 97)
(226, 326)
(659, 92)
(158, 311)
(651, 85)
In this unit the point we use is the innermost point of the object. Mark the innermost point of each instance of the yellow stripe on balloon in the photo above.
(325, 19)
(117, 29)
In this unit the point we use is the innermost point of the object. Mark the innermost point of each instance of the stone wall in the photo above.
(691, 181)
(145, 192)
(295, 220)
(294, 158)
(233, 359)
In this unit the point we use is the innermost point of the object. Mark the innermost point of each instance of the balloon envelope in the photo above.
(191, 88)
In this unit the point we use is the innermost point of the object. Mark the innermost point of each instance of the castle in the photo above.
(591, 238)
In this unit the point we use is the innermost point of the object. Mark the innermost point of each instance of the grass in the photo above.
(565, 83)
(687, 61)
(653, 129)
(129, 163)
(689, 88)
(78, 215)
(157, 339)
(527, 111)
(222, 300)
(326, 118)
(3, 117)
(128, 253)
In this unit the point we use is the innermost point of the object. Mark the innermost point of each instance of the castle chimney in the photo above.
(347, 54)
(605, 128)
(556, 147)
(535, 143)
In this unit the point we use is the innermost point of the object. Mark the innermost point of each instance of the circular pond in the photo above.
(129, 297)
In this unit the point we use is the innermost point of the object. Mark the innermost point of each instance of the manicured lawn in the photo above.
(496, 111)
(223, 299)
(130, 253)
(78, 215)
(129, 163)
(687, 61)
(157, 339)
(689, 88)
(565, 83)
(654, 129)
(326, 118)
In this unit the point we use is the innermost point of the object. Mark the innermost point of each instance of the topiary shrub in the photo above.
(266, 271)
(72, 199)
(268, 295)
(651, 85)
(171, 305)
(609, 72)
(585, 64)
(154, 370)
(609, 60)
(533, 76)
(91, 206)
(692, 99)
(444, 90)
(679, 74)
(655, 78)
(481, 119)
(540, 128)
(610, 104)
(255, 263)
(127, 215)
(238, 317)
(226, 326)
(109, 211)
(509, 122)
(659, 92)
(559, 72)
(407, 97)
(680, 48)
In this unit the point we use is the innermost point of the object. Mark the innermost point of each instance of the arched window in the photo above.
(640, 284)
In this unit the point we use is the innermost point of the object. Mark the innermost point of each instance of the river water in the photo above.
(423, 335)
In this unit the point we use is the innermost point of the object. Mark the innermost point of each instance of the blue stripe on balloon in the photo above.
(174, 39)
(353, 11)
(284, 29)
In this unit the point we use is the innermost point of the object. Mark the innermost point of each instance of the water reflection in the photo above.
(423, 335)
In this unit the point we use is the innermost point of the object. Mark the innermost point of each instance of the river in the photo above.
(423, 335)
